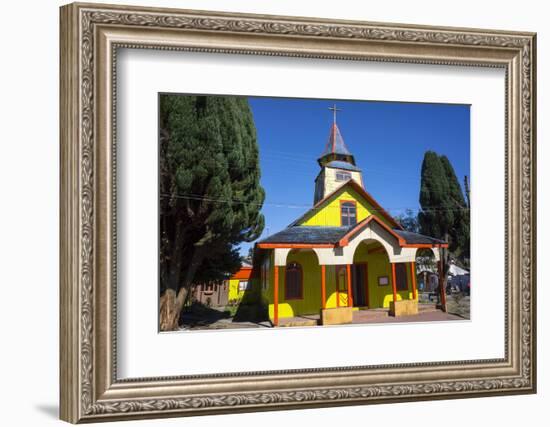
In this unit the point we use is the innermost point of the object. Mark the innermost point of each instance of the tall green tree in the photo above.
(210, 193)
(460, 231)
(444, 213)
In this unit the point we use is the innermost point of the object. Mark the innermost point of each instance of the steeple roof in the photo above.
(336, 148)
(335, 143)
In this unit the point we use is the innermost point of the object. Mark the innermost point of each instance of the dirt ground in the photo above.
(458, 308)
(459, 305)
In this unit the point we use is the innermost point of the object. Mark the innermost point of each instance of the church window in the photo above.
(293, 281)
(348, 214)
(343, 176)
(265, 274)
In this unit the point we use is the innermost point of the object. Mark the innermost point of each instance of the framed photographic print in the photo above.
(266, 185)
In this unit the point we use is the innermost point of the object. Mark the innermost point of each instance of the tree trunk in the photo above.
(444, 269)
(171, 303)
(196, 260)
(176, 261)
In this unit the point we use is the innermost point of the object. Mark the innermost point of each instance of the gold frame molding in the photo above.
(90, 36)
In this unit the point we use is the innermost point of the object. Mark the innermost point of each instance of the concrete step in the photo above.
(298, 322)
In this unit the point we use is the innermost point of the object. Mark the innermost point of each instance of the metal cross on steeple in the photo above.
(334, 110)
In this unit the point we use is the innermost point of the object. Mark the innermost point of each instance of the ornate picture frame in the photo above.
(90, 37)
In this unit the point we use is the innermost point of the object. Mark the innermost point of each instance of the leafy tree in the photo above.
(210, 193)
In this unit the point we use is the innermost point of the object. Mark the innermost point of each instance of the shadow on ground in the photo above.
(255, 313)
(198, 314)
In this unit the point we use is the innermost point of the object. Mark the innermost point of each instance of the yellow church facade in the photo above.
(346, 253)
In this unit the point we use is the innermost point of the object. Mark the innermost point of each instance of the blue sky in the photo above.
(388, 140)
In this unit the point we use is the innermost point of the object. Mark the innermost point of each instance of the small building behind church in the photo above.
(346, 253)
(239, 283)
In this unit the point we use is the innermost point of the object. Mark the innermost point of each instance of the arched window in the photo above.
(293, 281)
(348, 214)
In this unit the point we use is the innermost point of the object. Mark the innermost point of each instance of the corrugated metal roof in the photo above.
(308, 234)
(415, 238)
(332, 235)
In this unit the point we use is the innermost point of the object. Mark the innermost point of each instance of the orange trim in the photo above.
(294, 245)
(413, 278)
(243, 273)
(323, 288)
(344, 241)
(348, 271)
(425, 245)
(393, 282)
(276, 297)
(342, 201)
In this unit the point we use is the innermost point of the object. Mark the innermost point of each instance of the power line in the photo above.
(198, 197)
(397, 173)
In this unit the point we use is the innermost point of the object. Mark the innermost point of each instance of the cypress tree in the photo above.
(443, 210)
(460, 230)
(435, 218)
(210, 193)
(444, 213)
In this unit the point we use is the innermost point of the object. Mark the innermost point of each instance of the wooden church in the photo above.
(345, 253)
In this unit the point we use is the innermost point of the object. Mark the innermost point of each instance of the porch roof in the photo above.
(332, 236)
(417, 239)
(308, 234)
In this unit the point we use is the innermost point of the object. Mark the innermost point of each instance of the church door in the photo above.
(341, 286)
(359, 285)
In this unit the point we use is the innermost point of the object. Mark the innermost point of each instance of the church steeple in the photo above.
(337, 163)
(336, 149)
